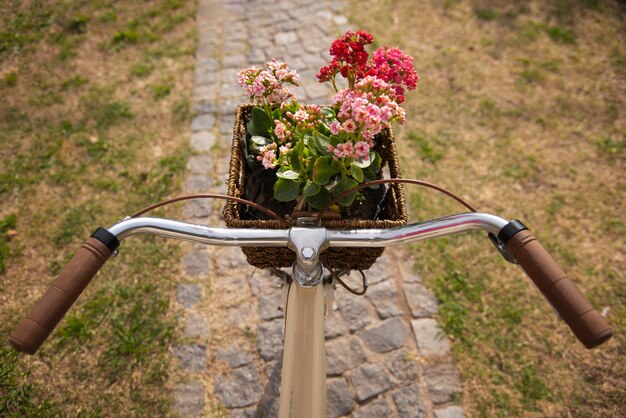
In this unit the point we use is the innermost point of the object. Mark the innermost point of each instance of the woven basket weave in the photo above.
(393, 212)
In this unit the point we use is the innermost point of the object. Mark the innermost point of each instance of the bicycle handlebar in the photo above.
(586, 323)
(33, 329)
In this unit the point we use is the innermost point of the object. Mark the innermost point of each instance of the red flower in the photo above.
(350, 59)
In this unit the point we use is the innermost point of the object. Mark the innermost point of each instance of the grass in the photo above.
(80, 147)
(528, 95)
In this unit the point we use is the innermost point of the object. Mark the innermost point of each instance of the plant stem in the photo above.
(300, 202)
(334, 83)
(268, 110)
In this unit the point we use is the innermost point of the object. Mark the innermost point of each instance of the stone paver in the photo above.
(241, 388)
(202, 141)
(420, 300)
(188, 294)
(191, 356)
(234, 355)
(269, 337)
(189, 399)
(386, 335)
(376, 409)
(443, 382)
(196, 326)
(431, 341)
(355, 311)
(384, 296)
(343, 354)
(370, 380)
(196, 263)
(403, 367)
(339, 400)
(386, 355)
(405, 402)
(450, 412)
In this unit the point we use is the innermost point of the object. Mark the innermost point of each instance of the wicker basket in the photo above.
(392, 214)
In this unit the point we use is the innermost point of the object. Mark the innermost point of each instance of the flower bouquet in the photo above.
(292, 157)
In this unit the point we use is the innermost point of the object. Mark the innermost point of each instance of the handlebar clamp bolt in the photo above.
(307, 253)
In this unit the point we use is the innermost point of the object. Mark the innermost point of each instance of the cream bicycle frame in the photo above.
(303, 375)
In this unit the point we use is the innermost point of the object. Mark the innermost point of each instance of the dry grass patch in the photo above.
(86, 138)
(520, 109)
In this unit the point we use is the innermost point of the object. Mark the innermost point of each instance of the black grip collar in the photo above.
(107, 238)
(509, 230)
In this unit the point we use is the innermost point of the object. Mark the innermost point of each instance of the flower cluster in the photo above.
(351, 61)
(367, 109)
(267, 155)
(265, 87)
(358, 151)
(349, 57)
(395, 67)
(307, 117)
(319, 152)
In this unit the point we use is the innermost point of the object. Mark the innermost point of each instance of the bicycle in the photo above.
(303, 378)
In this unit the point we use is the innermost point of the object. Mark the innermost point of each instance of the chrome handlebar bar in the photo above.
(335, 238)
(308, 240)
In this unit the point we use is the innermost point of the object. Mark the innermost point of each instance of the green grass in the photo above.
(16, 398)
(161, 90)
(486, 14)
(10, 79)
(528, 97)
(78, 151)
(7, 224)
(612, 149)
(561, 35)
(142, 68)
(430, 150)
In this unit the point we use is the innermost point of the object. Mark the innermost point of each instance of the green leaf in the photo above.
(328, 112)
(300, 147)
(286, 190)
(322, 171)
(324, 129)
(363, 163)
(260, 123)
(356, 172)
(342, 185)
(319, 200)
(288, 174)
(311, 188)
(294, 160)
(376, 161)
(369, 175)
(321, 142)
(259, 140)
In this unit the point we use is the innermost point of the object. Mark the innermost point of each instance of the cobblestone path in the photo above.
(386, 355)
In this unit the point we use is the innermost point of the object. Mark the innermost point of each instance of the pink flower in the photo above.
(362, 150)
(279, 130)
(344, 150)
(349, 126)
(340, 151)
(335, 127)
(269, 159)
(301, 115)
(266, 86)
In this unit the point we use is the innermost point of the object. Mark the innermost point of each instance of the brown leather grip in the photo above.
(33, 330)
(587, 324)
